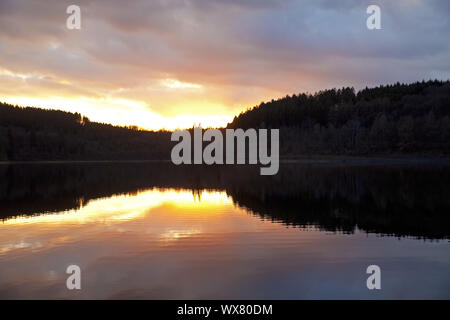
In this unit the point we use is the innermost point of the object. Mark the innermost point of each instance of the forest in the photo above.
(28, 133)
(392, 119)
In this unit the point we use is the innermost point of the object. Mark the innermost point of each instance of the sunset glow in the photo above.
(173, 64)
(128, 207)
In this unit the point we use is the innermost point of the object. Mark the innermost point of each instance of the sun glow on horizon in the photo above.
(123, 112)
(174, 104)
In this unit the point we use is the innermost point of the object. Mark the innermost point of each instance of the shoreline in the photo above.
(313, 159)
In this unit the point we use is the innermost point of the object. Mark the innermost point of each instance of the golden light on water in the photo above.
(128, 207)
(164, 215)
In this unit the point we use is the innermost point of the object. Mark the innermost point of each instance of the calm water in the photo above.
(157, 231)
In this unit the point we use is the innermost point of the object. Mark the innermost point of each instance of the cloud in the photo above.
(237, 53)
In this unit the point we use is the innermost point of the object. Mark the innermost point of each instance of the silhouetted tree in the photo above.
(385, 119)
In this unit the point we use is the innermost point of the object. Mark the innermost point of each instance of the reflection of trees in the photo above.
(409, 201)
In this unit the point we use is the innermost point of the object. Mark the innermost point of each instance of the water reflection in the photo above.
(126, 207)
(400, 201)
(158, 231)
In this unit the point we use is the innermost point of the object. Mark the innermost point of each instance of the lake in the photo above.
(158, 231)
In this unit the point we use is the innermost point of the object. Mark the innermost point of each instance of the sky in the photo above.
(167, 64)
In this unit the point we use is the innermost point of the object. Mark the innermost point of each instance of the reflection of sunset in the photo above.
(165, 215)
(176, 234)
(162, 215)
(126, 207)
(155, 237)
(182, 243)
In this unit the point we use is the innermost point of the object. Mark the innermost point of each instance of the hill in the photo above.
(28, 133)
(399, 118)
(393, 119)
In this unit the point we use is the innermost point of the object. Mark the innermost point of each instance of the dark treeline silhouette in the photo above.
(400, 118)
(406, 200)
(37, 134)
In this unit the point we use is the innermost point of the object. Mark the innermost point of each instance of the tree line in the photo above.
(392, 119)
(400, 118)
(28, 133)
